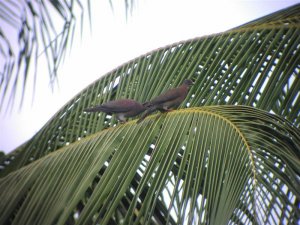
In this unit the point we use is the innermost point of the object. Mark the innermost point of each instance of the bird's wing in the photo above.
(120, 106)
(167, 96)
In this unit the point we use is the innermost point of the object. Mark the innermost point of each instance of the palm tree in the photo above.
(229, 155)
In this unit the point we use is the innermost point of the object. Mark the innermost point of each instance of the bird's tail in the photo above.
(95, 109)
(146, 113)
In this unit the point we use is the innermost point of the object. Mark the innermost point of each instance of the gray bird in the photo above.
(123, 108)
(170, 99)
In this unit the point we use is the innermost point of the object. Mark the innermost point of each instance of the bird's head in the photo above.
(188, 82)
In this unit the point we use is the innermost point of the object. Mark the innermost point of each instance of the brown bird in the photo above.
(170, 99)
(123, 108)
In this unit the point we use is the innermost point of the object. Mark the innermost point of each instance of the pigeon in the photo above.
(123, 108)
(170, 99)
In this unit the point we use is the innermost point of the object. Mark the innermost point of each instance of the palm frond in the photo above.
(257, 66)
(30, 29)
(29, 24)
(225, 164)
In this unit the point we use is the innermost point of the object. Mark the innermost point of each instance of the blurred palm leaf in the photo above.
(31, 28)
(222, 163)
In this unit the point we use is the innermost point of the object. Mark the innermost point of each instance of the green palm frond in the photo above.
(232, 157)
(213, 165)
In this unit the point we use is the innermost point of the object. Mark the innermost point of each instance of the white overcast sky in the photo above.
(153, 24)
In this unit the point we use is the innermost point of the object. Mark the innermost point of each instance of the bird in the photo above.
(122, 108)
(168, 100)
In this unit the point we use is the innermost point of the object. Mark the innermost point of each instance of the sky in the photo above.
(114, 41)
